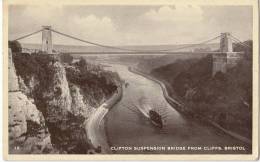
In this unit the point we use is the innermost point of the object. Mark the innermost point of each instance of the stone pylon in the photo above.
(227, 58)
(46, 40)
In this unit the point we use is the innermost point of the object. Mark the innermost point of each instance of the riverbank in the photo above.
(181, 108)
(95, 125)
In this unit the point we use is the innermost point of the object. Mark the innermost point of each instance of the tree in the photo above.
(82, 62)
(247, 48)
(67, 58)
(15, 46)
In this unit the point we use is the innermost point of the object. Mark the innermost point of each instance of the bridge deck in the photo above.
(137, 53)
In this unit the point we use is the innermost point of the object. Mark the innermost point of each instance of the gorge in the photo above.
(52, 101)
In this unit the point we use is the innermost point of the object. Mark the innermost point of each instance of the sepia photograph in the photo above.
(131, 79)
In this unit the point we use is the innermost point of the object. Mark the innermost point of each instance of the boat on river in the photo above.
(150, 112)
(156, 119)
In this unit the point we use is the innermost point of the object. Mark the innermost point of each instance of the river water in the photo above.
(128, 129)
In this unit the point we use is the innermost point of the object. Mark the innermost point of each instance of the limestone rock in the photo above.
(78, 106)
(29, 88)
(12, 77)
(58, 94)
(27, 128)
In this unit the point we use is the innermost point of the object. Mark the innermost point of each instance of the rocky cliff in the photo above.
(62, 104)
(27, 130)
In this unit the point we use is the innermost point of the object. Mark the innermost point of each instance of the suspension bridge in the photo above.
(226, 40)
(222, 58)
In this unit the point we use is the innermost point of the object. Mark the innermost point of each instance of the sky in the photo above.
(131, 25)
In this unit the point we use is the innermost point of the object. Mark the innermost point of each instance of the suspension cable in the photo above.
(25, 36)
(243, 44)
(193, 45)
(124, 49)
(238, 41)
(97, 44)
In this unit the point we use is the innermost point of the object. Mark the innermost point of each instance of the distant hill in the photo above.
(147, 65)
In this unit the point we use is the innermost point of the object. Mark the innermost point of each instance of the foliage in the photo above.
(35, 65)
(82, 62)
(66, 58)
(94, 82)
(71, 140)
(27, 65)
(150, 63)
(15, 46)
(248, 51)
(90, 77)
(225, 98)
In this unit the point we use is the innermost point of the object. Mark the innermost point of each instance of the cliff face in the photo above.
(27, 130)
(57, 94)
(63, 105)
(12, 77)
(79, 107)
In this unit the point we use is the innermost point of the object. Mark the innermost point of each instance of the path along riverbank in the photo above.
(95, 124)
(181, 108)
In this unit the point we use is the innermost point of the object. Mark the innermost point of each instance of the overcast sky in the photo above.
(132, 25)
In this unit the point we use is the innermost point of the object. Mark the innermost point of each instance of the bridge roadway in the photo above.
(137, 53)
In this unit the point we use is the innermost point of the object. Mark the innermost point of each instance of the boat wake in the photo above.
(153, 112)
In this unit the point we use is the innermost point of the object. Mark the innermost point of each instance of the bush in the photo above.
(92, 78)
(66, 58)
(15, 46)
(247, 50)
(27, 65)
(225, 98)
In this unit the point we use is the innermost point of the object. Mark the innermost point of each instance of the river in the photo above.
(128, 129)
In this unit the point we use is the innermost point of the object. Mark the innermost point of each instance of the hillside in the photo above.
(56, 99)
(148, 64)
(225, 98)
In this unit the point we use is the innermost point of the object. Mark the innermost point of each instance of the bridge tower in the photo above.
(227, 58)
(46, 40)
(225, 43)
